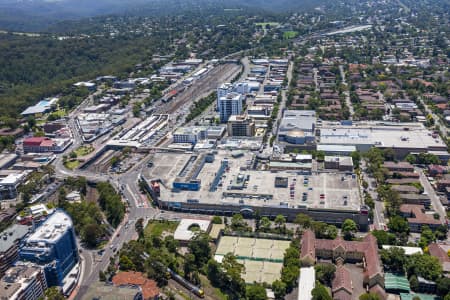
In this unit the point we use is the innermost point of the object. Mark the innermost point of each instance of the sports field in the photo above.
(290, 34)
(262, 258)
(261, 271)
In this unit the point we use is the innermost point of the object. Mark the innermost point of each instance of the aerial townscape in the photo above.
(225, 150)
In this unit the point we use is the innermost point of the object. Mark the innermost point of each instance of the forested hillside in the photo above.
(39, 15)
(36, 67)
(31, 68)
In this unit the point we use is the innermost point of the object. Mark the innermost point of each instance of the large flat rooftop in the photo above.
(17, 279)
(12, 234)
(239, 185)
(52, 229)
(297, 120)
(403, 135)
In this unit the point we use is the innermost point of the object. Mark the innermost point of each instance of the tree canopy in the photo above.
(111, 202)
(424, 265)
(319, 292)
(325, 273)
(349, 228)
(394, 259)
(256, 292)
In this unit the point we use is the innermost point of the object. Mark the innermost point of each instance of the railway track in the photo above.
(219, 74)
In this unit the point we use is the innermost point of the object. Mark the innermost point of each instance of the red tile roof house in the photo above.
(149, 287)
(45, 144)
(442, 184)
(437, 170)
(417, 217)
(405, 189)
(402, 181)
(436, 250)
(11, 132)
(404, 174)
(341, 286)
(365, 251)
(398, 167)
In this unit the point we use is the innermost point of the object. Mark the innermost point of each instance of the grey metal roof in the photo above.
(10, 235)
(336, 148)
(34, 110)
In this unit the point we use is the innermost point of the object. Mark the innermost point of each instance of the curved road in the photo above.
(91, 261)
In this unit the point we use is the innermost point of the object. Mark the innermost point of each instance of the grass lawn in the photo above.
(210, 290)
(84, 150)
(60, 113)
(41, 122)
(102, 245)
(290, 34)
(158, 227)
(71, 164)
(264, 24)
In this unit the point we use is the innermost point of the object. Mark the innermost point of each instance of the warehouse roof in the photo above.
(409, 135)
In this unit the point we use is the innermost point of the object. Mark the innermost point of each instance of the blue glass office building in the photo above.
(52, 245)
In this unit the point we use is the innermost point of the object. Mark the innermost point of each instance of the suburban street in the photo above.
(348, 102)
(429, 190)
(442, 127)
(379, 221)
(282, 106)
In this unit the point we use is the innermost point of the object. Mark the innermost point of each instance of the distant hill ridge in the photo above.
(38, 15)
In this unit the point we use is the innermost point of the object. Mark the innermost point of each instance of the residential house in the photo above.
(417, 217)
(149, 287)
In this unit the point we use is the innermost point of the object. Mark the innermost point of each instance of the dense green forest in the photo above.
(111, 202)
(31, 68)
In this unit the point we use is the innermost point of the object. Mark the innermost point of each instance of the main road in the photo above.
(94, 261)
(438, 121)
(429, 190)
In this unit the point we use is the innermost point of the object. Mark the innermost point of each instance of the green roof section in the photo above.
(404, 296)
(394, 282)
